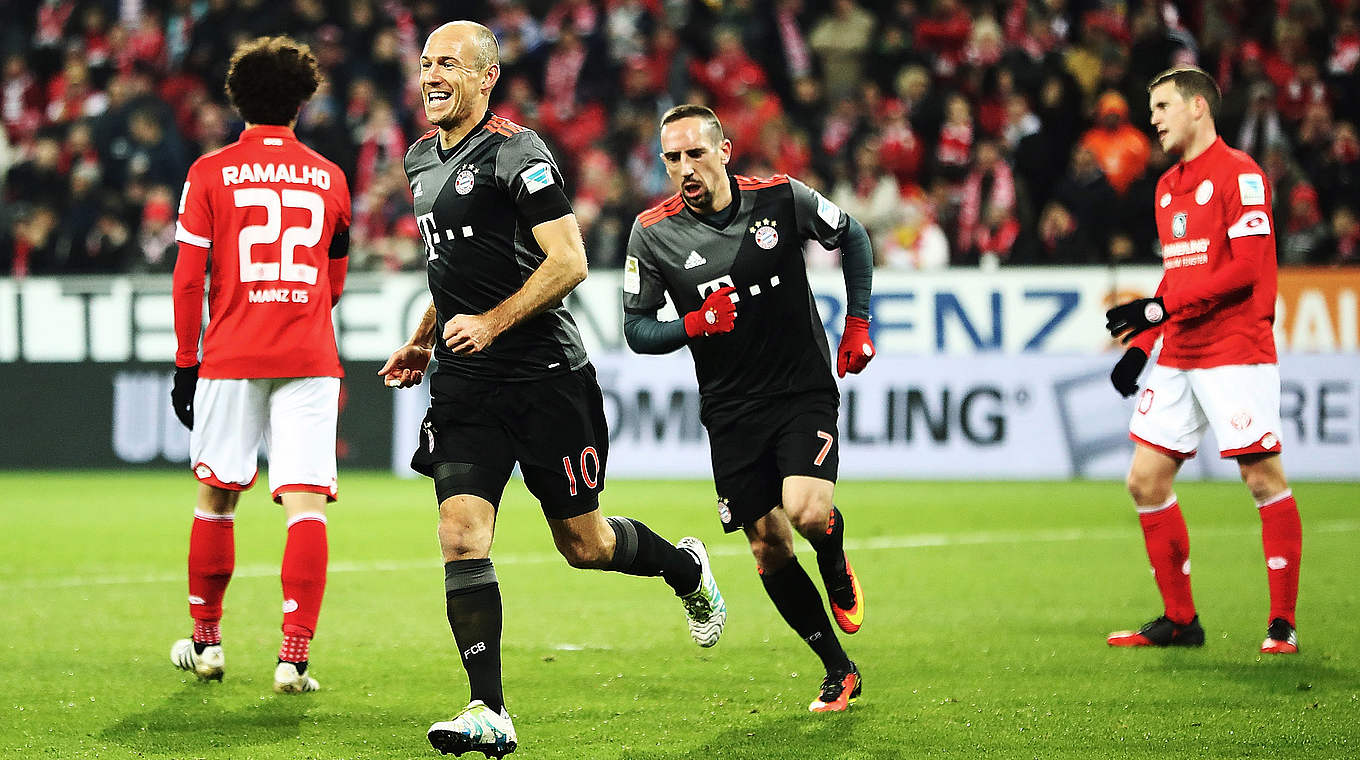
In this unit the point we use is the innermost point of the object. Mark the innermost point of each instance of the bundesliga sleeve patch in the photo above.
(1252, 189)
(1251, 223)
(536, 177)
(632, 278)
(828, 211)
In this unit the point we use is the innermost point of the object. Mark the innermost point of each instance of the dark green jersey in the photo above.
(778, 346)
(476, 205)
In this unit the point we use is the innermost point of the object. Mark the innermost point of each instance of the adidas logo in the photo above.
(695, 260)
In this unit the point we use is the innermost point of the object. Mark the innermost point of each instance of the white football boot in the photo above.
(287, 679)
(705, 607)
(207, 666)
(476, 729)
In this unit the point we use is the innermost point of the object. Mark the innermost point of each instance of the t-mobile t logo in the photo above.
(428, 233)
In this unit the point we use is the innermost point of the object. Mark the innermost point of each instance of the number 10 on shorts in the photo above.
(590, 470)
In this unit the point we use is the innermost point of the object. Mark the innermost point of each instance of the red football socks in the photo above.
(212, 557)
(1168, 548)
(1282, 539)
(304, 582)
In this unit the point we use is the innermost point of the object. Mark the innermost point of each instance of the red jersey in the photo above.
(1218, 260)
(267, 207)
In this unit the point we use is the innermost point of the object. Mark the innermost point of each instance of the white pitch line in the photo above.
(910, 541)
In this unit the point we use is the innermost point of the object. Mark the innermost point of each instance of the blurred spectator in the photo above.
(1304, 89)
(917, 242)
(1088, 205)
(1261, 125)
(943, 35)
(33, 242)
(1120, 148)
(1060, 240)
(1344, 246)
(1305, 235)
(987, 205)
(954, 148)
(1338, 178)
(38, 178)
(900, 151)
(841, 40)
(156, 235)
(730, 73)
(868, 195)
(20, 100)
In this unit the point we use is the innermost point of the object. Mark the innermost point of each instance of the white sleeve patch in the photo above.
(183, 197)
(632, 277)
(537, 177)
(828, 211)
(1252, 189)
(1251, 223)
(184, 236)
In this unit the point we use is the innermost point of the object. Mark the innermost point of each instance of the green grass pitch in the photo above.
(988, 604)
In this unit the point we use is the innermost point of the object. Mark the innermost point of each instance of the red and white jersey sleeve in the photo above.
(266, 208)
(1218, 258)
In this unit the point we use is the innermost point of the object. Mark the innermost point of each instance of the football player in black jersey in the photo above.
(512, 382)
(728, 250)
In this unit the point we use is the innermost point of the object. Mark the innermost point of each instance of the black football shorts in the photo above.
(756, 444)
(476, 430)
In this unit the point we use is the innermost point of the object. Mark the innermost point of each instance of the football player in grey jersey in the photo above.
(512, 382)
(728, 251)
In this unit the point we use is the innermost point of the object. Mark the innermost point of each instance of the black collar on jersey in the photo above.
(445, 155)
(720, 219)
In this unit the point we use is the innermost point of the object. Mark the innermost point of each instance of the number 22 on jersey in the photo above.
(272, 232)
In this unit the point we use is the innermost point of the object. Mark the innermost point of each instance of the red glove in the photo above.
(717, 315)
(856, 348)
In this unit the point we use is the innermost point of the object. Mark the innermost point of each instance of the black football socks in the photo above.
(798, 602)
(639, 551)
(830, 547)
(473, 602)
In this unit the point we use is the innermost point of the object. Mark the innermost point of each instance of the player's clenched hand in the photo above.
(856, 348)
(182, 394)
(469, 333)
(405, 367)
(718, 314)
(1127, 320)
(1125, 374)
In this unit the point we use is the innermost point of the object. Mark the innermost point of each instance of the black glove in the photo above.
(182, 394)
(1127, 320)
(1125, 374)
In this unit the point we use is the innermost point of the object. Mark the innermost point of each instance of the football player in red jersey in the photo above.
(268, 218)
(1214, 311)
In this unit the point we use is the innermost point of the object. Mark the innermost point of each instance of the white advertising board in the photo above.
(986, 416)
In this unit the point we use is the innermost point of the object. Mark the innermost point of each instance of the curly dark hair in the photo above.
(270, 78)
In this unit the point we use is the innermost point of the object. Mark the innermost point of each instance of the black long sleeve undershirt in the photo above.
(857, 264)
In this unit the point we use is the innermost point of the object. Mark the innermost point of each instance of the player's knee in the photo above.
(1147, 490)
(583, 554)
(1264, 486)
(808, 514)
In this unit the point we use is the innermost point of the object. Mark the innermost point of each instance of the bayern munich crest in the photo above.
(463, 182)
(766, 235)
(724, 512)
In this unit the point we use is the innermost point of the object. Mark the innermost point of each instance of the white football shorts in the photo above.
(295, 417)
(1241, 402)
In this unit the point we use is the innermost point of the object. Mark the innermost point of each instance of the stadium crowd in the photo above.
(960, 132)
